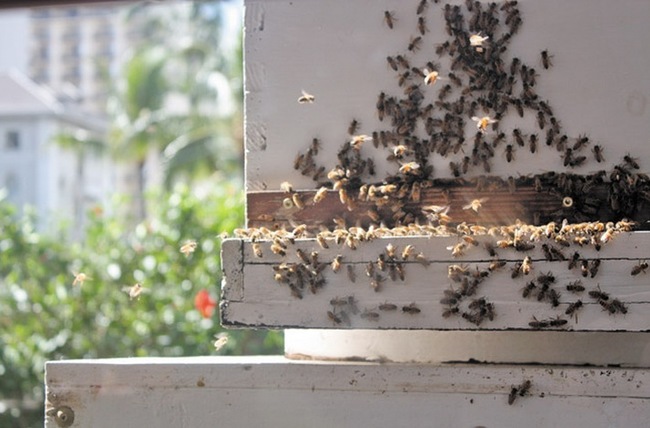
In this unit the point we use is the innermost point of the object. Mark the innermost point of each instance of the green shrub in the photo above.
(43, 316)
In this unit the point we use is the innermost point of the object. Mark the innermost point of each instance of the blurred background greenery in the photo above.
(43, 316)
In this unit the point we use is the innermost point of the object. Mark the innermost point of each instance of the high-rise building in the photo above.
(75, 50)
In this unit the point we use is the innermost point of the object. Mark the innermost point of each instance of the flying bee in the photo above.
(336, 263)
(257, 250)
(526, 265)
(134, 291)
(357, 140)
(430, 77)
(411, 309)
(598, 153)
(407, 252)
(188, 248)
(482, 123)
(389, 19)
(306, 98)
(370, 269)
(641, 267)
(80, 278)
(476, 40)
(410, 168)
(475, 205)
(415, 43)
(222, 340)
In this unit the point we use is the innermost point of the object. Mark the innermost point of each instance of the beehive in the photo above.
(475, 168)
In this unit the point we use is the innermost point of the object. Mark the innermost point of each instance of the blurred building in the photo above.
(75, 49)
(59, 182)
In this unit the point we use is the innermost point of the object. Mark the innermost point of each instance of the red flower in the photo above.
(204, 303)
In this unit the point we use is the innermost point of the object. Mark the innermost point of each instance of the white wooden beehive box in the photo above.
(337, 50)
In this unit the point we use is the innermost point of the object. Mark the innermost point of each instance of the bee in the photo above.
(297, 200)
(370, 269)
(526, 265)
(430, 77)
(411, 309)
(573, 307)
(598, 153)
(407, 252)
(403, 61)
(617, 306)
(135, 291)
(557, 322)
(546, 59)
(447, 312)
(357, 140)
(369, 315)
(573, 262)
(80, 278)
(222, 340)
(421, 7)
(422, 259)
(528, 289)
(458, 250)
(641, 267)
(188, 247)
(575, 287)
(306, 98)
(352, 275)
(496, 265)
(257, 250)
(536, 324)
(546, 278)
(593, 269)
(476, 40)
(510, 153)
(422, 25)
(554, 297)
(584, 267)
(631, 162)
(516, 270)
(414, 44)
(336, 263)
(483, 122)
(320, 195)
(389, 19)
(598, 294)
(334, 318)
(387, 307)
(455, 80)
(303, 256)
(354, 125)
(519, 139)
(533, 143)
(392, 62)
(409, 168)
(475, 205)
(278, 249)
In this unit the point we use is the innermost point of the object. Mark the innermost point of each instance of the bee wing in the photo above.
(476, 119)
(469, 206)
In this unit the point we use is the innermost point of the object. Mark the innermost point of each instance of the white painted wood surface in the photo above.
(255, 299)
(598, 84)
(275, 392)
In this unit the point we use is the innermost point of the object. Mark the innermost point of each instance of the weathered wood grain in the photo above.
(266, 302)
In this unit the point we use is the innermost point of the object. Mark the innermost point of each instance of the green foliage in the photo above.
(43, 316)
